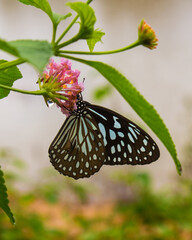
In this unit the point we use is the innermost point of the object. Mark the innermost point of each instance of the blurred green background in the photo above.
(61, 208)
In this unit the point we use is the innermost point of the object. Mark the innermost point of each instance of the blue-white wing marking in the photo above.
(125, 142)
(78, 149)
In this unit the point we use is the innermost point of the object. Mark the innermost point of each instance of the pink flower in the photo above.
(146, 35)
(61, 84)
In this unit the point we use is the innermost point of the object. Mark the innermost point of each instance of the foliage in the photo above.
(148, 215)
(37, 53)
(8, 76)
(4, 202)
(30, 51)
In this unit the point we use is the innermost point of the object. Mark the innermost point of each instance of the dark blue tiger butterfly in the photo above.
(93, 136)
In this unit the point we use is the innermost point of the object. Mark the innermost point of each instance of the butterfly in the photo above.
(93, 136)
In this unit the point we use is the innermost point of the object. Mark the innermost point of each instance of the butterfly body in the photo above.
(93, 136)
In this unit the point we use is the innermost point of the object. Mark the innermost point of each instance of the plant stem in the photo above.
(69, 27)
(11, 63)
(54, 34)
(66, 30)
(72, 40)
(38, 92)
(89, 1)
(42, 92)
(135, 44)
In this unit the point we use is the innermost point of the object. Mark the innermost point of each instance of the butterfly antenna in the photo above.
(80, 96)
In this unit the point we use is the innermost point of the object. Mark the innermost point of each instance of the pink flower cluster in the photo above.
(60, 80)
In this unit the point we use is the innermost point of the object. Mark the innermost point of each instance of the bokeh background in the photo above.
(27, 126)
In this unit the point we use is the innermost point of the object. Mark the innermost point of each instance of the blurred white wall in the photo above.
(163, 75)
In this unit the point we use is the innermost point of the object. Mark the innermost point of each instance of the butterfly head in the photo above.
(79, 97)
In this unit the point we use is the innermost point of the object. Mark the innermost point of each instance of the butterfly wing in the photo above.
(78, 149)
(124, 141)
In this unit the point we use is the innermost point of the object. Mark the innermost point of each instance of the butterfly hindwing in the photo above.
(78, 149)
(125, 142)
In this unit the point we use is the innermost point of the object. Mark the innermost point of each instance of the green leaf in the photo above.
(87, 16)
(143, 108)
(4, 202)
(5, 46)
(45, 6)
(95, 37)
(37, 53)
(7, 77)
(58, 17)
(42, 4)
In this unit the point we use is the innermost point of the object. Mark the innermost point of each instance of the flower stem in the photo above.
(42, 92)
(11, 63)
(38, 92)
(68, 28)
(54, 34)
(135, 44)
(89, 1)
(72, 40)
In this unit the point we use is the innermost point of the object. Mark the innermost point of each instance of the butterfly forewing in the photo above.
(92, 136)
(78, 149)
(125, 142)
